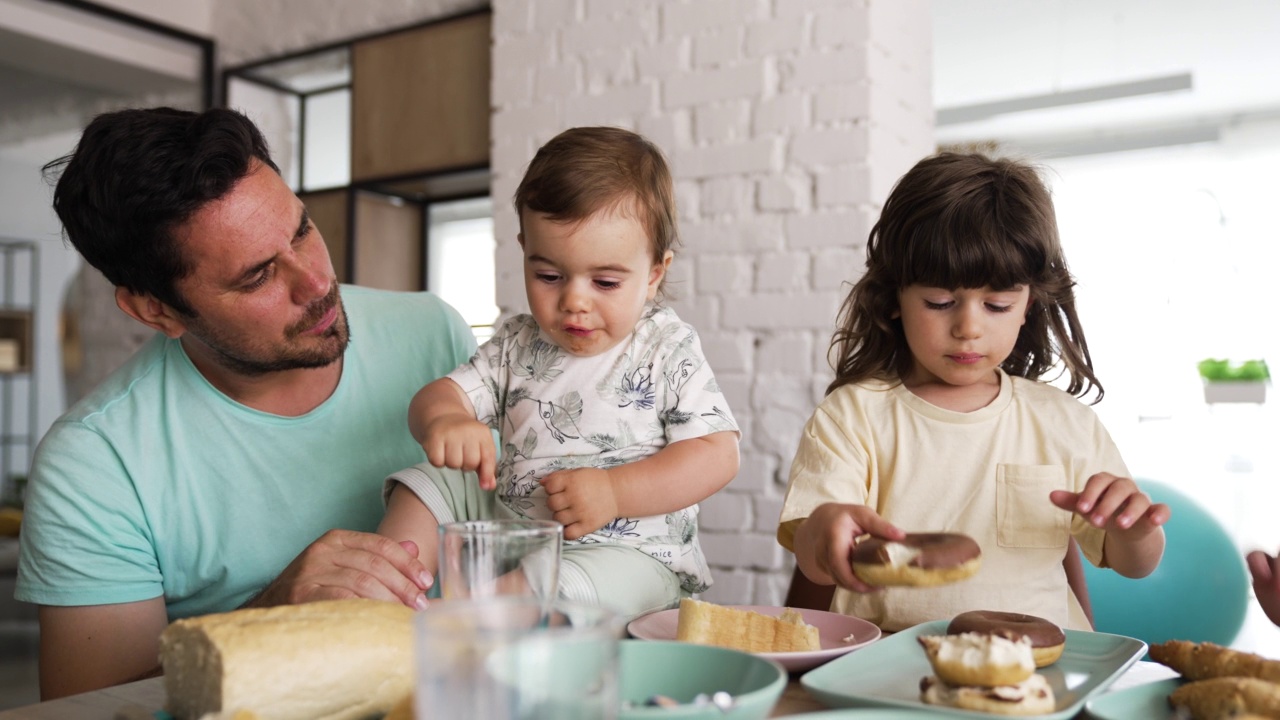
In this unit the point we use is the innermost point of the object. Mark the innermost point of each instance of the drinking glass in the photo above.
(487, 558)
(509, 658)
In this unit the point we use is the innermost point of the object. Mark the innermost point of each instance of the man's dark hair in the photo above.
(138, 175)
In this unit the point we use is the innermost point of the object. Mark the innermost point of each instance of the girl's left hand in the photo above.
(582, 500)
(1115, 504)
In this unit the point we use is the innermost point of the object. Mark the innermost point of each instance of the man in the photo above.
(264, 414)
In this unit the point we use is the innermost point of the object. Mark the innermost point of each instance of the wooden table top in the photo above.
(141, 699)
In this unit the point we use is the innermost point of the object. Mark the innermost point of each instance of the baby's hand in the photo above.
(824, 540)
(461, 442)
(1114, 504)
(582, 500)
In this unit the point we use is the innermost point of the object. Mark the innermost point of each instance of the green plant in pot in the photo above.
(1227, 381)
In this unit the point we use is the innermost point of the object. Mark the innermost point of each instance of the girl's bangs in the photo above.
(970, 258)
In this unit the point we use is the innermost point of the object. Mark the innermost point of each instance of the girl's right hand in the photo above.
(824, 540)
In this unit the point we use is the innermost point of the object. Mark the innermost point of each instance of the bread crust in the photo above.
(710, 624)
(908, 575)
(1201, 661)
(1228, 697)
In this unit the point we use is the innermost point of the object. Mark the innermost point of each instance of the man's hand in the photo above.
(824, 540)
(459, 441)
(582, 500)
(348, 564)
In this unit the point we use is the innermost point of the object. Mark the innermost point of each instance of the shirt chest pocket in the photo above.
(1024, 515)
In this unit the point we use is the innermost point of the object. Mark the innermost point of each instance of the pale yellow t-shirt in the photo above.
(986, 473)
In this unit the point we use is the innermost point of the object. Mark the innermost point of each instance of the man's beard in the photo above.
(320, 351)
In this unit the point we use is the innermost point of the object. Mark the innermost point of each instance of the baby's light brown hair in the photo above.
(585, 170)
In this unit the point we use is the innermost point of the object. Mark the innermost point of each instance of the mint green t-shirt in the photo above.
(157, 484)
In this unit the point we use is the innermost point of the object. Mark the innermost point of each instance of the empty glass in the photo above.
(487, 558)
(507, 658)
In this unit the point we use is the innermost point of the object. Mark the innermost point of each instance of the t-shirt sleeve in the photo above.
(830, 466)
(693, 404)
(1104, 458)
(483, 376)
(85, 540)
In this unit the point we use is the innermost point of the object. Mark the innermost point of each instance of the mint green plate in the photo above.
(681, 671)
(1143, 702)
(887, 673)
(868, 714)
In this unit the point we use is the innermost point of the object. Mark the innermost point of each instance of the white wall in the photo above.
(785, 124)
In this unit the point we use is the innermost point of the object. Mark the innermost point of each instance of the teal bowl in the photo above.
(681, 671)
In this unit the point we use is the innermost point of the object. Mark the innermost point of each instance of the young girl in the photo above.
(936, 420)
(610, 418)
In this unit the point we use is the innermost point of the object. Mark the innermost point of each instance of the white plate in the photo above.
(837, 633)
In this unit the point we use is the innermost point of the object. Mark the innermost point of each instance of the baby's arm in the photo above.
(1135, 541)
(677, 476)
(824, 539)
(443, 420)
(408, 518)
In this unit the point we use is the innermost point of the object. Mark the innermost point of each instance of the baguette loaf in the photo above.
(709, 624)
(331, 660)
(1201, 661)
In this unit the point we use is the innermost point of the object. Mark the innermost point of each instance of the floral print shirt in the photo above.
(555, 411)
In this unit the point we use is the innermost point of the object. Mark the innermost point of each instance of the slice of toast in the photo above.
(710, 624)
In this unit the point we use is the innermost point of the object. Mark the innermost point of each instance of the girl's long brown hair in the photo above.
(964, 221)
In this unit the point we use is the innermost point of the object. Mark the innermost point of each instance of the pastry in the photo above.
(1032, 696)
(331, 660)
(919, 559)
(1228, 697)
(710, 624)
(1199, 661)
(1047, 639)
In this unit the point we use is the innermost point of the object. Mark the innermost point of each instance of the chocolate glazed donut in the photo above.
(919, 559)
(1047, 639)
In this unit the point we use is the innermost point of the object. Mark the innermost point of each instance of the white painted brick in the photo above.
(779, 311)
(845, 228)
(834, 268)
(688, 202)
(824, 148)
(779, 431)
(817, 70)
(596, 9)
(771, 587)
(746, 80)
(679, 280)
(844, 185)
(824, 374)
(718, 48)
(540, 122)
(725, 511)
(512, 86)
(525, 51)
(721, 274)
(781, 113)
(691, 18)
(787, 271)
(842, 102)
(722, 122)
(841, 27)
(551, 15)
(664, 58)
(616, 106)
(511, 153)
(784, 352)
(755, 234)
(700, 311)
(742, 550)
(792, 8)
(607, 34)
(512, 18)
(767, 510)
(784, 192)
(559, 80)
(728, 352)
(668, 130)
(772, 37)
(757, 471)
(754, 156)
(607, 68)
(732, 196)
(736, 388)
(730, 587)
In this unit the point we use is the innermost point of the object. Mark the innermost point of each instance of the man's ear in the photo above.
(149, 311)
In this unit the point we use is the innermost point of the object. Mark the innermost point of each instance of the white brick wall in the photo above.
(786, 122)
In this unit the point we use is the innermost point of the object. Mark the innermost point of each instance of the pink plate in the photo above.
(838, 633)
